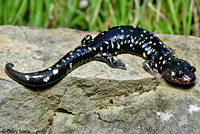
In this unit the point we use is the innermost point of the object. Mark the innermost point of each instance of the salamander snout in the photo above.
(179, 71)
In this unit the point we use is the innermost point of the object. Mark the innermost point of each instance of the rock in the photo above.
(94, 98)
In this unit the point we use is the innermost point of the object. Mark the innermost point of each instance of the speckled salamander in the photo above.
(117, 40)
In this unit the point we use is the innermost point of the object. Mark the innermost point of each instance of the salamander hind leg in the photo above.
(86, 39)
(147, 67)
(120, 64)
(108, 58)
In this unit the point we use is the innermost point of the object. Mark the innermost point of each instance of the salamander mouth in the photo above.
(188, 80)
(185, 80)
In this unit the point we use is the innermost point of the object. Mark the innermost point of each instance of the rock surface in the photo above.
(94, 98)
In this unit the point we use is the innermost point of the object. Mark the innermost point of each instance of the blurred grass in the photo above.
(161, 16)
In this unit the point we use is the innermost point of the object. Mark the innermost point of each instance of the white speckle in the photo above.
(49, 68)
(67, 58)
(149, 52)
(134, 26)
(131, 30)
(88, 37)
(156, 65)
(85, 50)
(164, 62)
(90, 48)
(72, 56)
(27, 77)
(70, 65)
(57, 65)
(160, 67)
(118, 46)
(122, 31)
(151, 37)
(55, 71)
(112, 45)
(102, 33)
(160, 58)
(164, 116)
(133, 48)
(106, 30)
(144, 31)
(146, 38)
(144, 55)
(128, 41)
(121, 37)
(63, 60)
(173, 73)
(132, 40)
(142, 41)
(115, 37)
(144, 45)
(193, 108)
(78, 50)
(121, 42)
(125, 41)
(115, 53)
(104, 54)
(37, 76)
(106, 42)
(101, 48)
(169, 58)
(131, 45)
(150, 42)
(154, 44)
(160, 42)
(119, 27)
(148, 48)
(78, 54)
(94, 48)
(141, 35)
(178, 64)
(70, 53)
(46, 79)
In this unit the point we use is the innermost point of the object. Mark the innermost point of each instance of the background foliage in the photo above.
(161, 16)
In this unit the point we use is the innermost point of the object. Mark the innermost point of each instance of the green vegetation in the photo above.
(161, 16)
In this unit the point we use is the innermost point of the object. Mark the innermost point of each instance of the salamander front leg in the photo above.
(147, 67)
(86, 39)
(173, 51)
(108, 58)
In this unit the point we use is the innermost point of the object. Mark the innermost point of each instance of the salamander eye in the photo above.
(192, 69)
(179, 74)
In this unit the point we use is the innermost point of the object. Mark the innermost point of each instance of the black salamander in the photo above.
(159, 60)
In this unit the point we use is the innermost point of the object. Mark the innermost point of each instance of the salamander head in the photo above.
(179, 71)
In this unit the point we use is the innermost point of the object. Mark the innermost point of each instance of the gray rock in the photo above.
(94, 98)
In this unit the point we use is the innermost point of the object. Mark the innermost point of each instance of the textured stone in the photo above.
(94, 98)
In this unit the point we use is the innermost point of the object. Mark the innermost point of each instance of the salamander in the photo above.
(159, 60)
